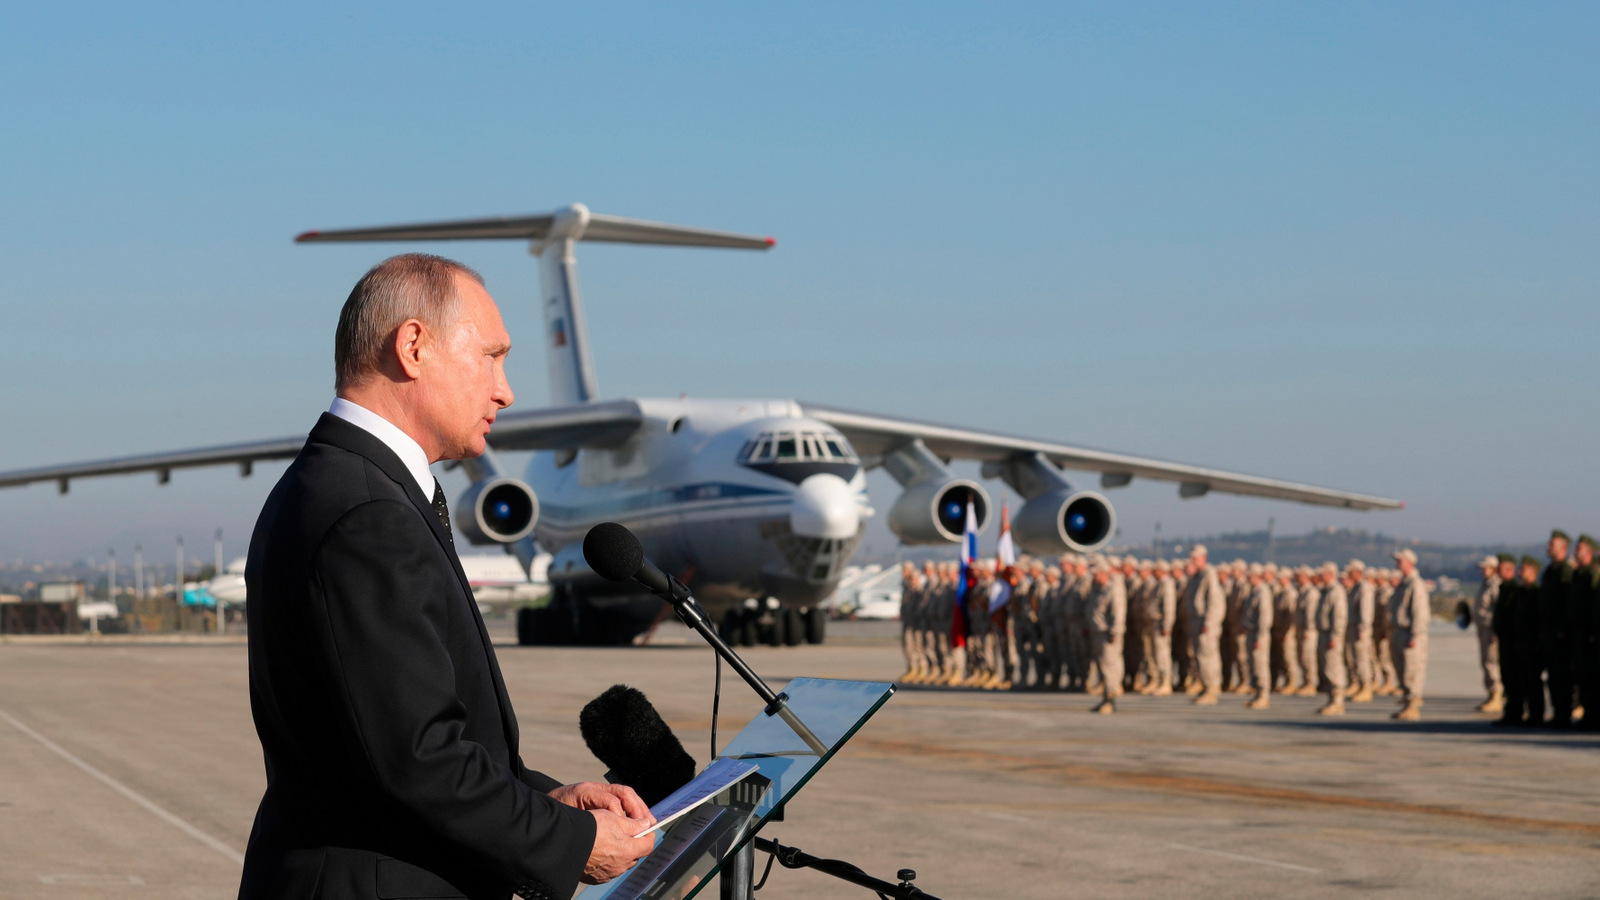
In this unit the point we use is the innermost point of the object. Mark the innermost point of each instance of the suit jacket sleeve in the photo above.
(387, 602)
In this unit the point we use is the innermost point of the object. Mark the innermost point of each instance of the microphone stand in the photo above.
(795, 858)
(738, 871)
(694, 616)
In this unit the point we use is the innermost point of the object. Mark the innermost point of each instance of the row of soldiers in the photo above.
(1111, 624)
(1539, 631)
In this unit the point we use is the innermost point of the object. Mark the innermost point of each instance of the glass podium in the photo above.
(690, 852)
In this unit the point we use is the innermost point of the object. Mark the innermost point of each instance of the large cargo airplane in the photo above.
(744, 500)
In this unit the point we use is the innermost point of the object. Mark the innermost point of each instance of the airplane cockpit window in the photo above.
(793, 455)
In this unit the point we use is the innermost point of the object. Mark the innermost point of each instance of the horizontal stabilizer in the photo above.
(597, 227)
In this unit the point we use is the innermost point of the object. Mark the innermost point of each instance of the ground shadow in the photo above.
(1480, 729)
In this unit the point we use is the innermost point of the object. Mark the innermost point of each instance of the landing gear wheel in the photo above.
(749, 629)
(728, 629)
(545, 626)
(816, 625)
(794, 633)
(775, 632)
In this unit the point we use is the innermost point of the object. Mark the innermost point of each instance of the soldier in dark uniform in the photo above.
(1511, 617)
(1583, 617)
(1520, 623)
(1555, 651)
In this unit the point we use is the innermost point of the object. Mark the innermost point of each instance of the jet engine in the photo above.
(935, 512)
(1064, 520)
(498, 510)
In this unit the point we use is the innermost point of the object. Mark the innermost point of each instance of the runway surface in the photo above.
(132, 771)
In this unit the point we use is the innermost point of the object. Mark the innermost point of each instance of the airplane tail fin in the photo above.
(553, 238)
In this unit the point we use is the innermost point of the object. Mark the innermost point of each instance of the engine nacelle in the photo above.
(935, 512)
(498, 510)
(1064, 520)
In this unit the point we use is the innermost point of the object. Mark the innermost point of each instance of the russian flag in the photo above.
(969, 553)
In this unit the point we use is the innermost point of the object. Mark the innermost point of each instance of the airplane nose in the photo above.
(824, 506)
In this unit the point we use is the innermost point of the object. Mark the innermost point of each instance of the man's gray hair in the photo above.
(409, 286)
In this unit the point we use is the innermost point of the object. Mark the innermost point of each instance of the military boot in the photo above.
(1306, 690)
(1334, 707)
(1207, 698)
(1362, 696)
(1164, 689)
(1106, 707)
(1262, 700)
(1411, 712)
(1494, 704)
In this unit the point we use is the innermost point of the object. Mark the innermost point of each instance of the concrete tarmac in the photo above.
(132, 771)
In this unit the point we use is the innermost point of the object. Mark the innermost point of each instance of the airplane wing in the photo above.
(579, 425)
(875, 435)
(244, 455)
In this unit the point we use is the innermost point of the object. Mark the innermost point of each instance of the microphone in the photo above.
(614, 554)
(626, 733)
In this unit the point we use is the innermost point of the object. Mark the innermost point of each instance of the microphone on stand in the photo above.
(614, 553)
(624, 731)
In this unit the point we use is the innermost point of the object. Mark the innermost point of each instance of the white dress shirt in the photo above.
(409, 451)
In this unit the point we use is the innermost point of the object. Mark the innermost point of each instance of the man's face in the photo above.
(462, 386)
(1557, 549)
(1530, 573)
(1508, 571)
(1406, 566)
(1584, 554)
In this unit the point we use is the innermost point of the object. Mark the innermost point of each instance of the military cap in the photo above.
(1330, 567)
(1163, 566)
(1270, 568)
(1406, 553)
(1255, 569)
(1507, 558)
(1488, 562)
(1558, 533)
(1355, 565)
(1589, 541)
(1197, 550)
(1303, 570)
(1529, 559)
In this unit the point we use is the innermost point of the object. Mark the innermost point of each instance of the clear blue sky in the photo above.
(1349, 244)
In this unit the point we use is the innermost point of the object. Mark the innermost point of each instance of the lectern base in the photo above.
(739, 872)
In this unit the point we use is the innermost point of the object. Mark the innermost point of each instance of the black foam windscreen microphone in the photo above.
(612, 551)
(614, 554)
(626, 733)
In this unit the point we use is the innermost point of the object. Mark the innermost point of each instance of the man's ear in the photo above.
(410, 339)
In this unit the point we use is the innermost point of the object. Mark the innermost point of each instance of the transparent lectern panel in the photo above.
(690, 852)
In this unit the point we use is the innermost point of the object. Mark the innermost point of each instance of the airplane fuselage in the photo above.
(739, 499)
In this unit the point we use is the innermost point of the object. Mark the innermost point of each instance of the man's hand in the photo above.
(615, 847)
(617, 798)
(619, 814)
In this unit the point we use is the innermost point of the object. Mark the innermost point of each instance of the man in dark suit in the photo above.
(391, 746)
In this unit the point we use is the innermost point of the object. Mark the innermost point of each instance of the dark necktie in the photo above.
(442, 508)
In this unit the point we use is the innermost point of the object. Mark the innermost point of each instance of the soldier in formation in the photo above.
(1546, 628)
(1116, 625)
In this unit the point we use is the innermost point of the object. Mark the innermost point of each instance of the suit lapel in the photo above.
(330, 429)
